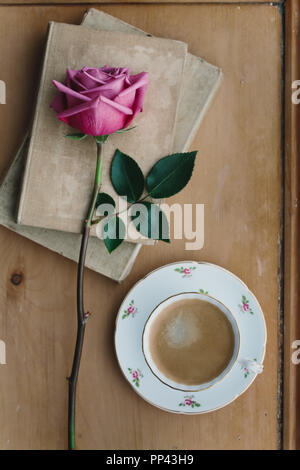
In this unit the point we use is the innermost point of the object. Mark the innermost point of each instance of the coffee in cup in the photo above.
(191, 341)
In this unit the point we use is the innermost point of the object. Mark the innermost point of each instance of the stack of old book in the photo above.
(50, 180)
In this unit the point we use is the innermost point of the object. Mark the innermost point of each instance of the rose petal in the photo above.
(139, 97)
(127, 100)
(69, 91)
(109, 119)
(95, 118)
(59, 102)
(118, 106)
(71, 80)
(77, 109)
(110, 90)
(115, 71)
(85, 79)
(140, 80)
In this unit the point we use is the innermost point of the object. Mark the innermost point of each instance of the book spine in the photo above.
(130, 263)
(204, 110)
(35, 120)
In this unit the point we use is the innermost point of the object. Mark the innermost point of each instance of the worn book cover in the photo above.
(116, 266)
(199, 85)
(59, 172)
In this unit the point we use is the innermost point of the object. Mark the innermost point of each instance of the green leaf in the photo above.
(113, 233)
(121, 131)
(100, 139)
(104, 198)
(77, 136)
(170, 174)
(127, 177)
(150, 221)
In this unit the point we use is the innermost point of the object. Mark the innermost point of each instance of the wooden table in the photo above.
(238, 177)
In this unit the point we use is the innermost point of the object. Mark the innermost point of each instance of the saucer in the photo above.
(167, 281)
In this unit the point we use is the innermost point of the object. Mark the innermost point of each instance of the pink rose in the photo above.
(246, 307)
(100, 101)
(188, 401)
(187, 271)
(135, 374)
(130, 309)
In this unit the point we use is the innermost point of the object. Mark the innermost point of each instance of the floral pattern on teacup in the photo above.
(130, 311)
(202, 291)
(245, 306)
(186, 272)
(189, 402)
(136, 376)
(249, 365)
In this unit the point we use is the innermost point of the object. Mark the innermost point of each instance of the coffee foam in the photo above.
(191, 341)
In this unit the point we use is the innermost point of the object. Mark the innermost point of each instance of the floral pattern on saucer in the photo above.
(245, 306)
(246, 371)
(130, 311)
(136, 376)
(248, 365)
(190, 402)
(186, 272)
(202, 291)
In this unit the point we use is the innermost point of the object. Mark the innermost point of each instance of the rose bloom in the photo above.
(100, 101)
(188, 401)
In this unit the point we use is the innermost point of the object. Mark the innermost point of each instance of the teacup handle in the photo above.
(251, 365)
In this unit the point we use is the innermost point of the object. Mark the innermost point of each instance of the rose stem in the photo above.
(81, 318)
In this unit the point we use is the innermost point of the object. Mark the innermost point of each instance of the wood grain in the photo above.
(101, 2)
(292, 240)
(237, 177)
